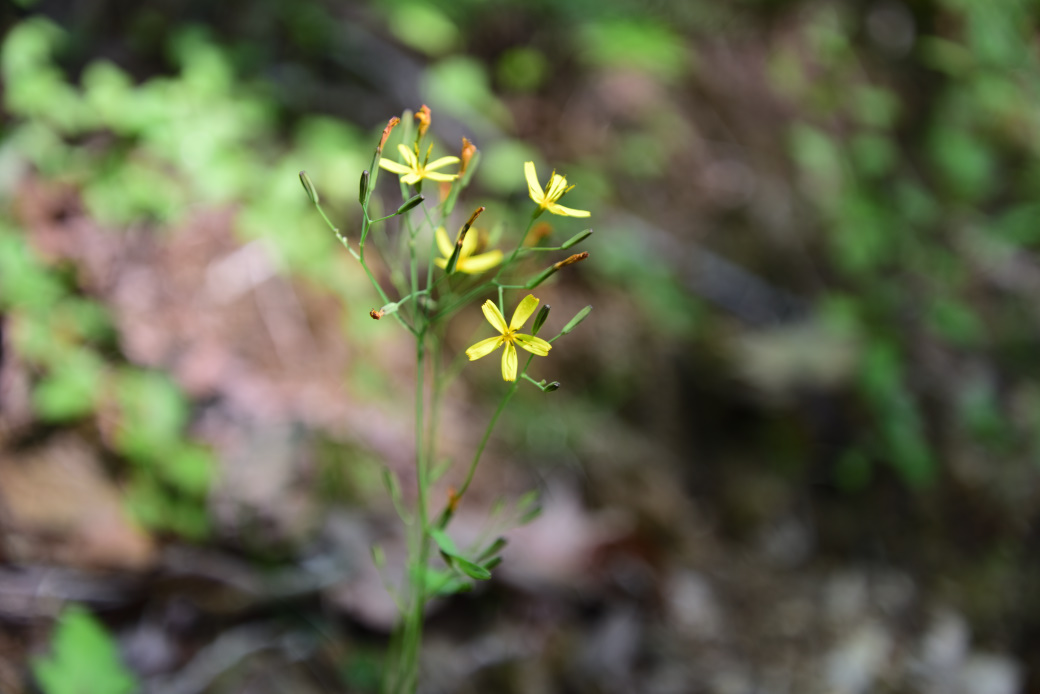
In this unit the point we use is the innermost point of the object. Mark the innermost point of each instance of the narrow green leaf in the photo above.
(530, 515)
(446, 544)
(472, 570)
(492, 549)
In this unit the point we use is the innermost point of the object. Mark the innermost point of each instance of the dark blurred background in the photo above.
(797, 446)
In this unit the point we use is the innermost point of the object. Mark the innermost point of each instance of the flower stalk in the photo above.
(425, 303)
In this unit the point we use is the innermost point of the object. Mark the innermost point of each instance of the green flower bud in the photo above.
(539, 320)
(577, 238)
(363, 193)
(410, 204)
(312, 192)
(582, 314)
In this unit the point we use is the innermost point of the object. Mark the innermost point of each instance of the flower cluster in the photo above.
(428, 278)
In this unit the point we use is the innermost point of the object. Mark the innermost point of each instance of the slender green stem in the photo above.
(414, 621)
(487, 433)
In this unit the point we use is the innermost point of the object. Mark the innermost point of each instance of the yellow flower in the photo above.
(414, 171)
(468, 263)
(509, 336)
(554, 190)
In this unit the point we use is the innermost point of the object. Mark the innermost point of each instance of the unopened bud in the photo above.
(555, 385)
(391, 124)
(469, 223)
(456, 253)
(453, 499)
(312, 192)
(410, 203)
(576, 258)
(581, 315)
(376, 314)
(539, 320)
(468, 150)
(577, 238)
(363, 193)
(551, 270)
(424, 118)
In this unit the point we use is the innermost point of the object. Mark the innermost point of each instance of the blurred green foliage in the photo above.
(83, 659)
(908, 190)
(914, 165)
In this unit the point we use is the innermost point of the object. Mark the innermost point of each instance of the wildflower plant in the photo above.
(432, 279)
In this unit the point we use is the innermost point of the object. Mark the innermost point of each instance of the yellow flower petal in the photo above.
(476, 264)
(509, 363)
(391, 165)
(557, 187)
(534, 345)
(469, 244)
(409, 156)
(442, 263)
(443, 161)
(533, 189)
(494, 316)
(523, 311)
(410, 178)
(483, 348)
(434, 176)
(567, 211)
(444, 244)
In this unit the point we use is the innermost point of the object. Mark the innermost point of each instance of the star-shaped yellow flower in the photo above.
(554, 190)
(509, 336)
(414, 172)
(468, 263)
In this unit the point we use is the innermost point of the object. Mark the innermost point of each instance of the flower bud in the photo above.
(551, 270)
(576, 239)
(555, 385)
(363, 192)
(539, 320)
(576, 258)
(456, 253)
(544, 275)
(581, 315)
(312, 192)
(424, 118)
(391, 124)
(409, 204)
(468, 150)
(472, 218)
(376, 314)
